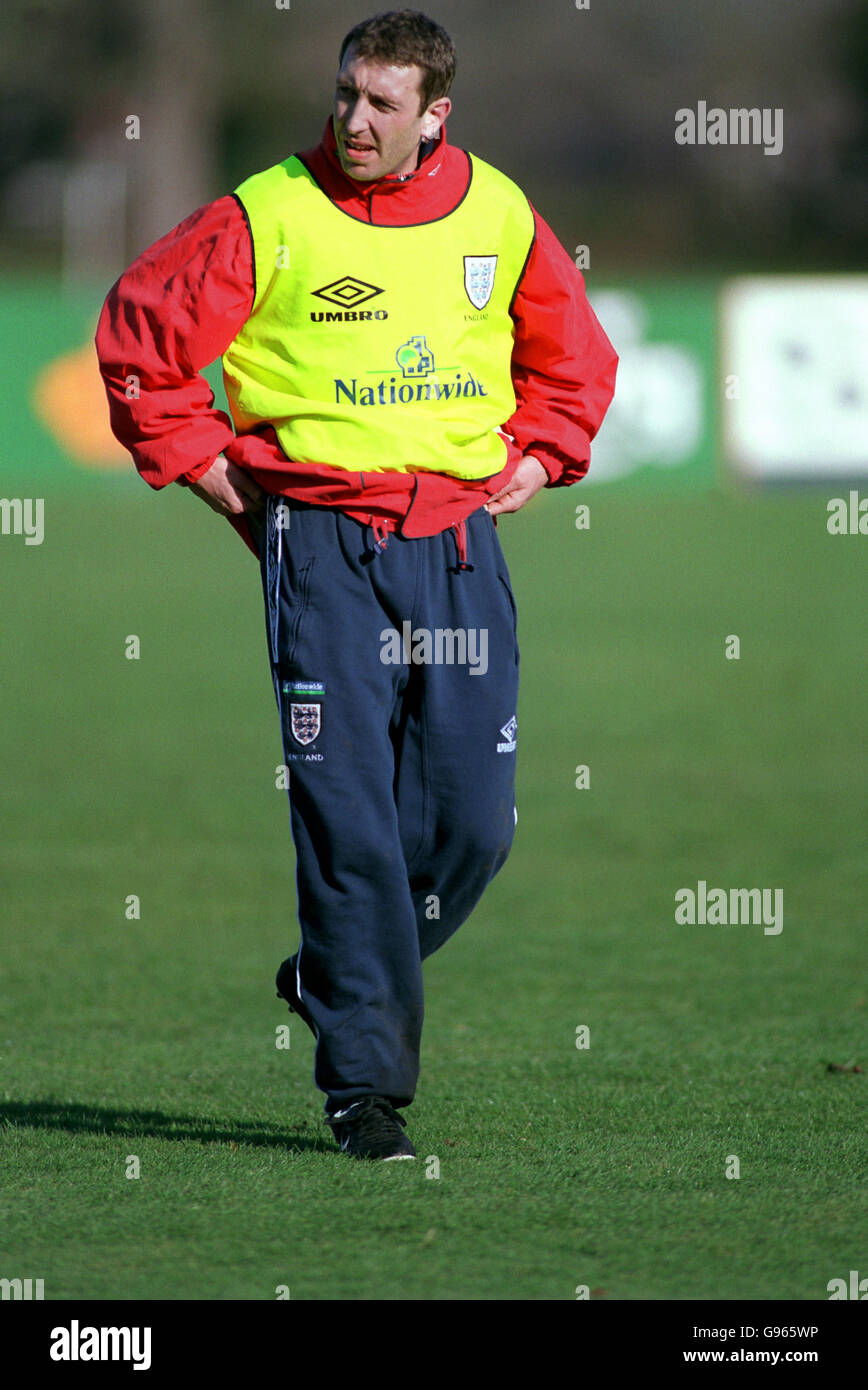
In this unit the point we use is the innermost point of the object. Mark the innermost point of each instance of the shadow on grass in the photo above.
(155, 1124)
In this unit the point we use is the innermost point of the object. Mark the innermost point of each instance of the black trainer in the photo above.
(371, 1128)
(286, 989)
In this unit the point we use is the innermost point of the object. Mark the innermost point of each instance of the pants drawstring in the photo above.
(460, 530)
(380, 528)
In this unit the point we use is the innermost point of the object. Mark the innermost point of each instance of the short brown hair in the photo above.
(406, 39)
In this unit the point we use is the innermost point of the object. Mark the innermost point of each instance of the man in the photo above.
(408, 353)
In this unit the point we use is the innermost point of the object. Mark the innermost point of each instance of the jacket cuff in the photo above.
(196, 473)
(551, 462)
(562, 471)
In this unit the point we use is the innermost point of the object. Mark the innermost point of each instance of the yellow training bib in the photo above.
(380, 348)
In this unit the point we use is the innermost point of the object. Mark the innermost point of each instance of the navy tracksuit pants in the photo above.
(396, 674)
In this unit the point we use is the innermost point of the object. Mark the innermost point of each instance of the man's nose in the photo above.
(357, 116)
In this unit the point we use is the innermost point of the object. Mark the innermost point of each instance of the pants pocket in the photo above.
(513, 610)
(289, 563)
(294, 602)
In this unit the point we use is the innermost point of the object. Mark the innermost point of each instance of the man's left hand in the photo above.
(525, 482)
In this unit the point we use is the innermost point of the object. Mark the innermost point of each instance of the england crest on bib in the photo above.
(479, 279)
(305, 722)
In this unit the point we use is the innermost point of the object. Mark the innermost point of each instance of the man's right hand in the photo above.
(228, 489)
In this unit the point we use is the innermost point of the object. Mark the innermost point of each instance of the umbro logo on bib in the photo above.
(348, 292)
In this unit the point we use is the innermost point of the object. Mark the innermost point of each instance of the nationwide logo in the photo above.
(349, 293)
(416, 360)
(414, 357)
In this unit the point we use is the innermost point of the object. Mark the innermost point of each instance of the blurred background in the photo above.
(146, 867)
(118, 119)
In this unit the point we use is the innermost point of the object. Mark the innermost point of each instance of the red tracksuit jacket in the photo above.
(181, 303)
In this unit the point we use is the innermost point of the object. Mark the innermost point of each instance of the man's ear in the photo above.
(434, 117)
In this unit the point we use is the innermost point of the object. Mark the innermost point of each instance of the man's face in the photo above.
(377, 122)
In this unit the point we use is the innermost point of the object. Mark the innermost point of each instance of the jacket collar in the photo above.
(432, 191)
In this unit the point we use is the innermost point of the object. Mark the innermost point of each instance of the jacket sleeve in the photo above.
(176, 309)
(563, 365)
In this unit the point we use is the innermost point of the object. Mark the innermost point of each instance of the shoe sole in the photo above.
(378, 1158)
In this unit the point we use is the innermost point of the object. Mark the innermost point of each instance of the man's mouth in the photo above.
(357, 149)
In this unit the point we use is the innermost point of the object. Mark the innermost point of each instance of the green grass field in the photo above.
(559, 1167)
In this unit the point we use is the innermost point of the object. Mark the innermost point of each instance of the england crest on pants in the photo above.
(305, 722)
(479, 279)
